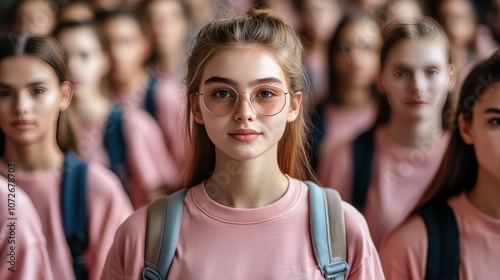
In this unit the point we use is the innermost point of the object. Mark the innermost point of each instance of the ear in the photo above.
(194, 99)
(295, 103)
(465, 130)
(66, 95)
(453, 77)
(380, 82)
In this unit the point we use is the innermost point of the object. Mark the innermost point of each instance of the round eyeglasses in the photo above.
(265, 99)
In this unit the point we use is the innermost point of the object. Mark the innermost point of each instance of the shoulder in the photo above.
(404, 252)
(102, 180)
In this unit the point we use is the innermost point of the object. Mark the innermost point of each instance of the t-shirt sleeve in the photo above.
(362, 257)
(108, 206)
(404, 251)
(24, 239)
(125, 259)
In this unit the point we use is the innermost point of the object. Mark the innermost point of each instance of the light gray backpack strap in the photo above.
(162, 235)
(328, 231)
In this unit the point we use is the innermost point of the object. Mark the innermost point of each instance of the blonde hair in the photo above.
(257, 27)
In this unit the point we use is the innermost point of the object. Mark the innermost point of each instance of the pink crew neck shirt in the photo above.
(149, 164)
(404, 252)
(21, 234)
(399, 177)
(343, 124)
(219, 242)
(108, 206)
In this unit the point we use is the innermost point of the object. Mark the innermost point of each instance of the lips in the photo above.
(244, 135)
(416, 102)
(23, 124)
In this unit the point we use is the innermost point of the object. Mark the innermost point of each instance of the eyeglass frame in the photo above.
(251, 100)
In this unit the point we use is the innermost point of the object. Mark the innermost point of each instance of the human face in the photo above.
(483, 131)
(127, 46)
(86, 60)
(35, 17)
(416, 78)
(31, 98)
(169, 25)
(357, 59)
(459, 21)
(321, 17)
(244, 134)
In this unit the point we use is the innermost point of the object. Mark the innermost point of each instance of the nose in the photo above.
(22, 103)
(417, 84)
(244, 109)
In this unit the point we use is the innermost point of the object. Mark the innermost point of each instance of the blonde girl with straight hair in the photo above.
(246, 211)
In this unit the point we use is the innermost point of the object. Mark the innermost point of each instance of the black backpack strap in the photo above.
(328, 231)
(149, 100)
(363, 155)
(317, 133)
(162, 235)
(74, 211)
(443, 251)
(114, 142)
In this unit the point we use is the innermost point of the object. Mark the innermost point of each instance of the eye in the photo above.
(5, 93)
(265, 93)
(494, 121)
(222, 93)
(431, 72)
(37, 91)
(400, 74)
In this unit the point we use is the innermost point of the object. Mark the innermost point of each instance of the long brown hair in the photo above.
(459, 167)
(49, 51)
(258, 27)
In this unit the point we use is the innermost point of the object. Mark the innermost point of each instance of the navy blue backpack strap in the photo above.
(149, 100)
(443, 253)
(363, 155)
(328, 231)
(317, 133)
(114, 142)
(162, 235)
(74, 211)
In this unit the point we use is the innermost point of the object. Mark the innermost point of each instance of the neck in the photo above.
(486, 194)
(34, 157)
(352, 96)
(246, 184)
(460, 55)
(414, 135)
(90, 104)
(169, 62)
(129, 83)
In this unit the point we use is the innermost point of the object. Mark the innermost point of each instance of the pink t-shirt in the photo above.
(343, 124)
(400, 176)
(404, 252)
(219, 242)
(23, 247)
(150, 165)
(108, 207)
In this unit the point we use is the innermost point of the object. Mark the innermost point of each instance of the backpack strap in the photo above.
(162, 235)
(74, 211)
(149, 102)
(363, 154)
(328, 227)
(443, 250)
(114, 142)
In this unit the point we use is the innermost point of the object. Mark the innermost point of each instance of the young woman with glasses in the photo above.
(246, 213)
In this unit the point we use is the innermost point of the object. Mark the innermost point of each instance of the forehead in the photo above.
(490, 97)
(78, 36)
(417, 52)
(361, 31)
(243, 65)
(121, 24)
(18, 71)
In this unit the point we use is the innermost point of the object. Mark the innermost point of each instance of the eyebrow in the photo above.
(492, 110)
(35, 83)
(407, 67)
(233, 83)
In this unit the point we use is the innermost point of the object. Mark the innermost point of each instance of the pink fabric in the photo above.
(108, 207)
(343, 124)
(399, 178)
(150, 166)
(218, 242)
(404, 253)
(27, 240)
